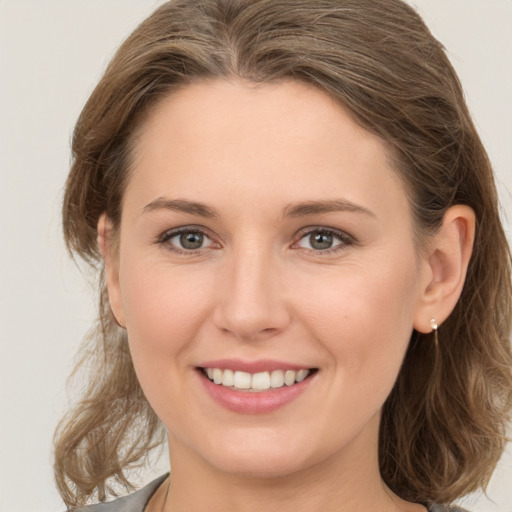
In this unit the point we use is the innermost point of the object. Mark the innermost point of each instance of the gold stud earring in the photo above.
(434, 326)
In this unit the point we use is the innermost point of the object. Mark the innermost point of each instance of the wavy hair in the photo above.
(443, 427)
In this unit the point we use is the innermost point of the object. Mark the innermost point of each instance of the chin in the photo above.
(266, 466)
(266, 457)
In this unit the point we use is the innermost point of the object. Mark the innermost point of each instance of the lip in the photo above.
(261, 365)
(247, 402)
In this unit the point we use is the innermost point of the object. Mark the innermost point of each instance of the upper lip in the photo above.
(261, 365)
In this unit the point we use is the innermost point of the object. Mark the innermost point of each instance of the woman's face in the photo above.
(265, 238)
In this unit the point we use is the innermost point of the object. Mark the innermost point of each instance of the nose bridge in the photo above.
(251, 304)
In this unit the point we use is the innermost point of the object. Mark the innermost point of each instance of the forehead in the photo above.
(289, 141)
(271, 114)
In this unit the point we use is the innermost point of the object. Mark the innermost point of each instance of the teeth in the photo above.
(277, 379)
(242, 380)
(260, 381)
(228, 378)
(301, 375)
(257, 381)
(289, 377)
(217, 376)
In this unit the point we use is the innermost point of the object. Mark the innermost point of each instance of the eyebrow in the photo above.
(180, 205)
(332, 205)
(292, 210)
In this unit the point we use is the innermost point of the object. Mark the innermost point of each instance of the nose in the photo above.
(252, 303)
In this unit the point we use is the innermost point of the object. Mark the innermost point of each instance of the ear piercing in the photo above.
(434, 326)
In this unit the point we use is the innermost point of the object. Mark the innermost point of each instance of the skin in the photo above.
(257, 289)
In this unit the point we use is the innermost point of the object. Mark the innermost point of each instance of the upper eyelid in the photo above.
(346, 241)
(301, 233)
(169, 233)
(312, 229)
(164, 238)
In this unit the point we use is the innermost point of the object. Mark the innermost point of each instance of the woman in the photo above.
(296, 228)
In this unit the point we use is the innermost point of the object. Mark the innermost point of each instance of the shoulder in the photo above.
(134, 502)
(445, 508)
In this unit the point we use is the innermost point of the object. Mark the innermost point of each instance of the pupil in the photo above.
(321, 241)
(191, 240)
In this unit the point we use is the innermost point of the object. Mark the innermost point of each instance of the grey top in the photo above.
(137, 501)
(134, 502)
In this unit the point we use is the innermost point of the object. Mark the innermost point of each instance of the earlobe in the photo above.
(446, 265)
(108, 249)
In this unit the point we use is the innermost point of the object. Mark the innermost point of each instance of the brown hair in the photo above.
(443, 426)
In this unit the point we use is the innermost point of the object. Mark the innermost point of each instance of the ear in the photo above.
(445, 266)
(108, 248)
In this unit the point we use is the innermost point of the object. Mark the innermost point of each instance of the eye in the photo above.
(186, 240)
(326, 240)
(190, 241)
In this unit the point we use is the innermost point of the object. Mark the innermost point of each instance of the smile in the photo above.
(254, 387)
(255, 382)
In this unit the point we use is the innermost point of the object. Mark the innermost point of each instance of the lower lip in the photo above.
(256, 402)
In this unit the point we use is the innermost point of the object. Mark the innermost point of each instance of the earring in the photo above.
(434, 326)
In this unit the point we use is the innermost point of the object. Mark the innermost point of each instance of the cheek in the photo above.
(363, 316)
(160, 297)
(164, 309)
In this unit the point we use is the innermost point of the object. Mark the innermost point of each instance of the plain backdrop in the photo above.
(51, 54)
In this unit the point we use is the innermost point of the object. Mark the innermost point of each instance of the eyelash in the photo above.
(345, 240)
(164, 239)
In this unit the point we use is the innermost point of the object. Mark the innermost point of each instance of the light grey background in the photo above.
(51, 54)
